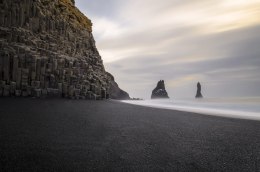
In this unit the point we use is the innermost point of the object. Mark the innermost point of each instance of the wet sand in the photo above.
(78, 135)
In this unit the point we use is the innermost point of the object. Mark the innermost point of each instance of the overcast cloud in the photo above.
(216, 42)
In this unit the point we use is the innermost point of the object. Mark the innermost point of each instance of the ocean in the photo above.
(244, 108)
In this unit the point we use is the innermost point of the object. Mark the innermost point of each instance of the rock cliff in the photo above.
(159, 91)
(115, 91)
(47, 49)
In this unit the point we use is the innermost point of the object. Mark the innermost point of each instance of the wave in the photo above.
(244, 108)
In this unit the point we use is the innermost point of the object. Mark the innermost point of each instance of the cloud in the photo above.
(221, 58)
(215, 42)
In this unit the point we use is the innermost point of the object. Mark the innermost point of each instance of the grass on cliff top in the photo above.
(72, 13)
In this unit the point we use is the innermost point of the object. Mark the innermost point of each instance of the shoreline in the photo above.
(69, 135)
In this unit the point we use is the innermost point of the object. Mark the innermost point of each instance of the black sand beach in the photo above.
(77, 135)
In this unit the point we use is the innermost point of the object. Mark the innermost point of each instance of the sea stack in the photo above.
(198, 95)
(159, 92)
(47, 49)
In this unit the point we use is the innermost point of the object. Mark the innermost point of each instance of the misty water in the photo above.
(244, 108)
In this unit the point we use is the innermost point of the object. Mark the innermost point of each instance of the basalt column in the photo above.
(47, 49)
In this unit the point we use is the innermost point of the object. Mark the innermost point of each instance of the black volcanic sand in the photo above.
(78, 135)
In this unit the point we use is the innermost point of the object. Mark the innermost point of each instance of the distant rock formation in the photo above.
(47, 48)
(159, 91)
(198, 95)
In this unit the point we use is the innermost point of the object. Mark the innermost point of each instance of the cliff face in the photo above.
(47, 48)
(115, 91)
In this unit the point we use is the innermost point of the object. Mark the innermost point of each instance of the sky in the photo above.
(215, 42)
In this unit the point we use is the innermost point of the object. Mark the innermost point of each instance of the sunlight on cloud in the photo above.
(187, 60)
(238, 3)
(150, 16)
(212, 17)
(236, 14)
(106, 28)
(184, 80)
(111, 56)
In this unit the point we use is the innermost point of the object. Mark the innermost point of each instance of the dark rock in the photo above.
(115, 92)
(73, 2)
(48, 45)
(198, 95)
(160, 92)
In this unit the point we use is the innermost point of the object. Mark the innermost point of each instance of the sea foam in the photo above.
(244, 108)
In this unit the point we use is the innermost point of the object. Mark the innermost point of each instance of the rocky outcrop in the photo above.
(159, 91)
(47, 49)
(198, 94)
(73, 2)
(115, 92)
